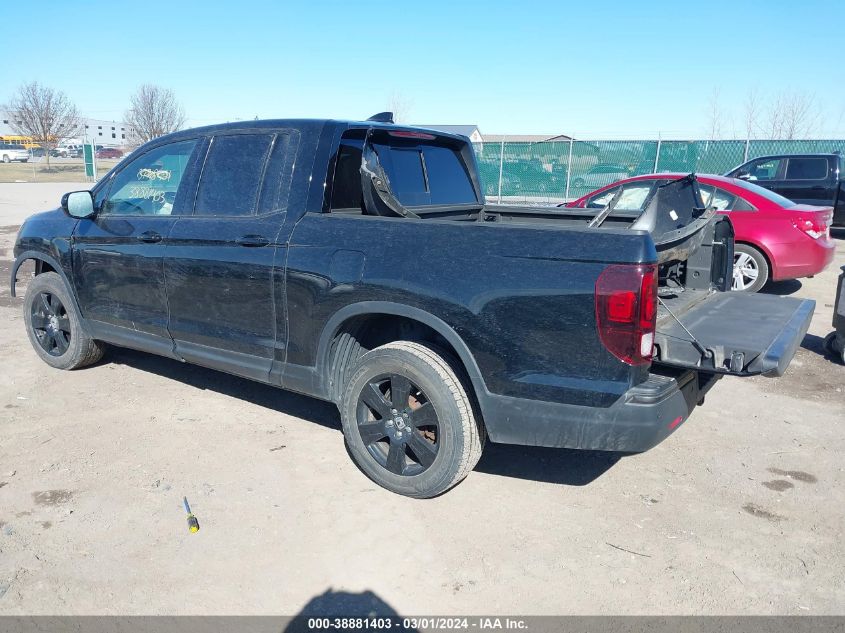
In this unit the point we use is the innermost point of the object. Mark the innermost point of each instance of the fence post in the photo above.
(747, 144)
(501, 165)
(569, 169)
(657, 155)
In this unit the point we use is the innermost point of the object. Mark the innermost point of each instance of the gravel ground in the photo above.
(739, 512)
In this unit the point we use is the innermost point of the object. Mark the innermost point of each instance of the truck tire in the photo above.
(408, 421)
(53, 325)
(750, 271)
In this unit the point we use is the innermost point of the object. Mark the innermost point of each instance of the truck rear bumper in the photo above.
(639, 420)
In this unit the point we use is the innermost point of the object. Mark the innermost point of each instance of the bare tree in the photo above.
(399, 106)
(715, 116)
(45, 115)
(793, 115)
(153, 112)
(752, 114)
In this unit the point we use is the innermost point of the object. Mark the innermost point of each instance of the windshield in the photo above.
(771, 196)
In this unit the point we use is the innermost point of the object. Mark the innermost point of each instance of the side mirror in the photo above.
(78, 204)
(744, 175)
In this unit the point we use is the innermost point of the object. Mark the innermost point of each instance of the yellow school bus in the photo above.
(14, 139)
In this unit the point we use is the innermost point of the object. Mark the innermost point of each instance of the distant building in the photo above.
(470, 131)
(101, 132)
(525, 138)
(98, 131)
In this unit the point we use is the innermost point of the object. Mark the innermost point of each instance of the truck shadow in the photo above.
(551, 465)
(273, 398)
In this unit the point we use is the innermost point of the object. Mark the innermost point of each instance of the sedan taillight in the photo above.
(816, 226)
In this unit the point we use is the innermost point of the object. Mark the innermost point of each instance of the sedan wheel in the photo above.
(750, 270)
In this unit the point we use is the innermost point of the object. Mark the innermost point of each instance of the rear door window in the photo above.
(232, 175)
(806, 169)
(716, 197)
(275, 188)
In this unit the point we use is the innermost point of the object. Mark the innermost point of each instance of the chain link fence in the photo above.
(556, 171)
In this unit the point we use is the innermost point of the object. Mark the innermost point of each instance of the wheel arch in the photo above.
(348, 316)
(765, 252)
(46, 263)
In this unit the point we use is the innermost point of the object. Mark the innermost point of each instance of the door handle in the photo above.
(149, 237)
(252, 241)
(818, 188)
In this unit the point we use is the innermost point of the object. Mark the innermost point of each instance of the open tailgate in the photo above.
(733, 333)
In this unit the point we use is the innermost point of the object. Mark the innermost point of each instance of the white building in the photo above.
(98, 131)
(106, 133)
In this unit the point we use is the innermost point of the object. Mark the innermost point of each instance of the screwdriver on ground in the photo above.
(193, 524)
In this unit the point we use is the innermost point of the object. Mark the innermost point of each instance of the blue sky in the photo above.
(586, 68)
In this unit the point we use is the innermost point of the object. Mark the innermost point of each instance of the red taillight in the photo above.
(626, 311)
(816, 225)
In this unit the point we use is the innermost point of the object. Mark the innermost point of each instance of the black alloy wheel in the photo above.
(398, 425)
(50, 324)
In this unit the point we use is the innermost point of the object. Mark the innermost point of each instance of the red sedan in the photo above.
(109, 152)
(775, 238)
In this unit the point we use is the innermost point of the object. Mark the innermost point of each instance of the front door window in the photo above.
(148, 185)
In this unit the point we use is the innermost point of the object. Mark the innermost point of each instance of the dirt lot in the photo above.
(739, 512)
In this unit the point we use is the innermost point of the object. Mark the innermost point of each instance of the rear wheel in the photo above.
(750, 271)
(53, 325)
(408, 420)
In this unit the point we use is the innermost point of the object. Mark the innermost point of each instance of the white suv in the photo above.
(68, 151)
(9, 153)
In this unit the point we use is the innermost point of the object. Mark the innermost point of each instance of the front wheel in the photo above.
(579, 183)
(54, 327)
(750, 271)
(408, 421)
(6, 159)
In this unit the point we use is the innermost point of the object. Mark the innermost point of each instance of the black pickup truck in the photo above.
(817, 179)
(357, 262)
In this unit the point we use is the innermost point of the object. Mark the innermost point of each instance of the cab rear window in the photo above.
(426, 174)
(421, 172)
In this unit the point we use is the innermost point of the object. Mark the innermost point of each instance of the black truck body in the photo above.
(817, 179)
(565, 330)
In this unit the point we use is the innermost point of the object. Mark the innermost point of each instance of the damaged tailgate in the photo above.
(733, 333)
